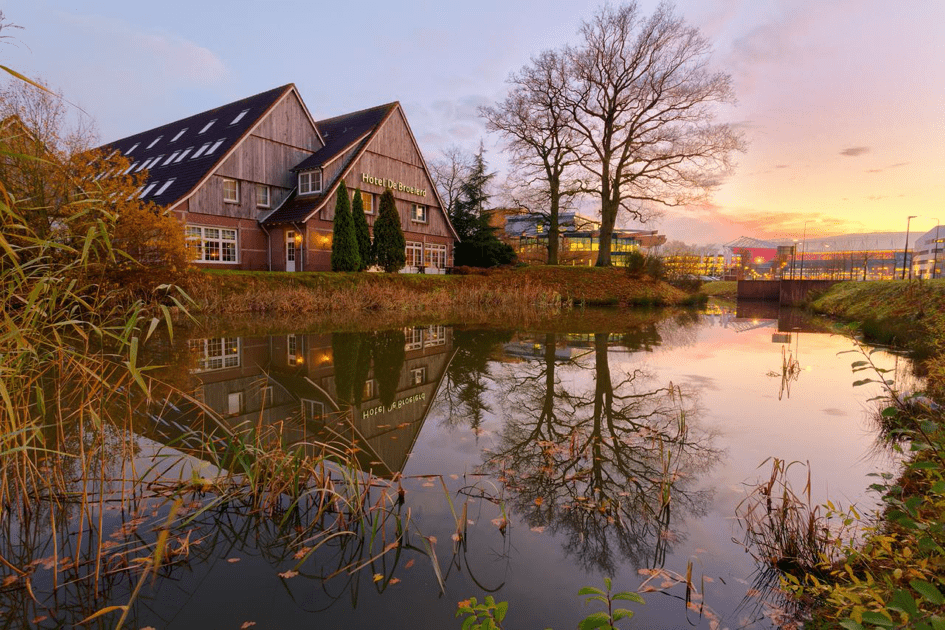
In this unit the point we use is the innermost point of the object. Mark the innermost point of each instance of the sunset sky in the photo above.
(843, 102)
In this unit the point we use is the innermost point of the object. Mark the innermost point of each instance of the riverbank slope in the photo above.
(323, 292)
(896, 576)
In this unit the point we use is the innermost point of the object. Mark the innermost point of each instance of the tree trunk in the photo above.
(553, 228)
(608, 217)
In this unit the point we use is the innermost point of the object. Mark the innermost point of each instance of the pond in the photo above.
(521, 462)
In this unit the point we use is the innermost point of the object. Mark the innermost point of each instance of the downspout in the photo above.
(268, 244)
(302, 243)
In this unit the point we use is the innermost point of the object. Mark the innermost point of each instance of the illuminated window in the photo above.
(368, 200)
(262, 196)
(310, 182)
(418, 376)
(418, 213)
(435, 256)
(216, 353)
(414, 338)
(435, 336)
(231, 191)
(212, 244)
(414, 254)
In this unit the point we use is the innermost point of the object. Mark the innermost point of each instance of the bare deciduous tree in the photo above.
(643, 101)
(536, 125)
(449, 173)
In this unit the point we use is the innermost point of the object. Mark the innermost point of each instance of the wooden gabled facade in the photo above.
(255, 181)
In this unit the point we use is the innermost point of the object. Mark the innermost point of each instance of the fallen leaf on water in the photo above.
(752, 592)
(232, 560)
(301, 552)
(538, 529)
(708, 579)
(432, 539)
(10, 579)
(394, 580)
(247, 624)
(539, 501)
(409, 564)
(456, 537)
(454, 476)
(647, 571)
(666, 584)
(40, 618)
(464, 603)
(647, 589)
(378, 577)
(148, 628)
(288, 574)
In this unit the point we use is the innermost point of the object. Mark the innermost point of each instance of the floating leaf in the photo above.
(288, 574)
(247, 624)
(232, 560)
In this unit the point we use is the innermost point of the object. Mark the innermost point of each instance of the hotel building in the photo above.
(255, 181)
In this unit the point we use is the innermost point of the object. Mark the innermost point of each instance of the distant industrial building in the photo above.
(929, 255)
(868, 256)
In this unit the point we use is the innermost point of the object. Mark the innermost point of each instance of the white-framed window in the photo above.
(418, 376)
(263, 199)
(418, 213)
(314, 410)
(435, 336)
(292, 349)
(231, 190)
(213, 244)
(414, 254)
(414, 339)
(215, 354)
(310, 182)
(368, 199)
(435, 256)
(234, 403)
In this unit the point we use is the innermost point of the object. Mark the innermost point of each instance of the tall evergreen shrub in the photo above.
(389, 242)
(361, 231)
(344, 245)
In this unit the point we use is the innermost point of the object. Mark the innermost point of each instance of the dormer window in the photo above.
(310, 182)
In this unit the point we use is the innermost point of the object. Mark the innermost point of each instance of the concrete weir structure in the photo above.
(784, 292)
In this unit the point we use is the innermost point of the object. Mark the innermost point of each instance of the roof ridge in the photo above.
(281, 90)
(360, 111)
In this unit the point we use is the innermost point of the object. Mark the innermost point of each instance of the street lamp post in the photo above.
(935, 251)
(804, 243)
(905, 252)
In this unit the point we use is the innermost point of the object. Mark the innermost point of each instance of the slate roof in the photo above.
(340, 133)
(207, 135)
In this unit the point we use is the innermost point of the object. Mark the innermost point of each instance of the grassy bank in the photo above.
(501, 290)
(892, 573)
(726, 289)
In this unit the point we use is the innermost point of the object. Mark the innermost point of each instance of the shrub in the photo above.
(361, 231)
(344, 244)
(389, 242)
(154, 245)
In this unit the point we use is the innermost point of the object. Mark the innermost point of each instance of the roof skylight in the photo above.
(155, 141)
(183, 155)
(208, 125)
(128, 170)
(239, 116)
(200, 151)
(179, 134)
(132, 148)
(144, 193)
(166, 185)
(216, 145)
(171, 159)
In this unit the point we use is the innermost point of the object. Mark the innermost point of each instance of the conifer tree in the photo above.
(361, 231)
(344, 244)
(389, 242)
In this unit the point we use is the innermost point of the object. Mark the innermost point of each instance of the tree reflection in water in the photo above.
(609, 467)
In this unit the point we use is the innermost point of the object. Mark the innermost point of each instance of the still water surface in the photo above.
(618, 447)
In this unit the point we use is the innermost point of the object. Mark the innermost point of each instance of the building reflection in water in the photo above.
(370, 391)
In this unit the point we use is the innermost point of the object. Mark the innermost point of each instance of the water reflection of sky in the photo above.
(577, 474)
